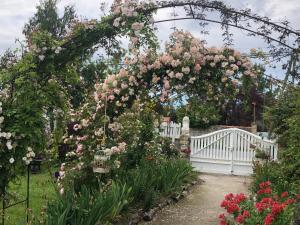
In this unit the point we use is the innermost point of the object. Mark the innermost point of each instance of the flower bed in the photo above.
(265, 208)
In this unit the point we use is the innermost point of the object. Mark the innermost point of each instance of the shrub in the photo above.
(283, 118)
(272, 171)
(265, 209)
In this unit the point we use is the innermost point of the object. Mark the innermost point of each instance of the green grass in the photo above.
(42, 190)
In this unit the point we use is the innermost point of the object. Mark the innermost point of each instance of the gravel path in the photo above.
(201, 207)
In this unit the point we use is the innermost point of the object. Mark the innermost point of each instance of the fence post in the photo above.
(185, 133)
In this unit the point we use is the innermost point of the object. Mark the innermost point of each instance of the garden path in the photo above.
(202, 205)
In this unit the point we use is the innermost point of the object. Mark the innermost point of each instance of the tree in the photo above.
(47, 19)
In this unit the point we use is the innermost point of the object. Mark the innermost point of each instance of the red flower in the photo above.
(232, 207)
(229, 196)
(269, 219)
(264, 204)
(239, 198)
(277, 208)
(284, 194)
(267, 190)
(240, 219)
(222, 219)
(222, 216)
(264, 185)
(289, 201)
(223, 222)
(246, 213)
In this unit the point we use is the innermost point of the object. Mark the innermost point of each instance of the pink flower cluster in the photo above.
(183, 62)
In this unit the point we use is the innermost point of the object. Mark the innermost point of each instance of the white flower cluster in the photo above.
(5, 137)
(29, 156)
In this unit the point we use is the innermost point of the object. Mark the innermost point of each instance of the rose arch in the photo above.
(187, 66)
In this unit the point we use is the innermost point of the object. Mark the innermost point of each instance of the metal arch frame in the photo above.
(224, 10)
(283, 32)
(231, 25)
(26, 200)
(229, 17)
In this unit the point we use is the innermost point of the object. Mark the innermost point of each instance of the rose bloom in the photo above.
(197, 67)
(179, 75)
(186, 70)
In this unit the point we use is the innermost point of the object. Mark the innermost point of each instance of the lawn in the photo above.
(42, 189)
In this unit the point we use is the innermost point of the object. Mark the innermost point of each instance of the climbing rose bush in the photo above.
(186, 65)
(12, 157)
(265, 208)
(183, 67)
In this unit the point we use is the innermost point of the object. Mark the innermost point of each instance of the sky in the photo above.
(15, 13)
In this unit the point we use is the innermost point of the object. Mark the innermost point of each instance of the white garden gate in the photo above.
(228, 151)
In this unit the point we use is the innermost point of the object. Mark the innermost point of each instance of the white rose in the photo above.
(8, 145)
(8, 135)
(11, 160)
(62, 191)
(41, 57)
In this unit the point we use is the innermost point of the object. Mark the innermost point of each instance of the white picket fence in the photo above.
(171, 130)
(228, 151)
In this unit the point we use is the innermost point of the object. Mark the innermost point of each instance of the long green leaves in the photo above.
(88, 208)
(152, 180)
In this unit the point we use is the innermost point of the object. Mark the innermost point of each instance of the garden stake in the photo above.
(27, 197)
(3, 206)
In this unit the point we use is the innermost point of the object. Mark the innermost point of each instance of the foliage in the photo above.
(240, 110)
(88, 207)
(273, 172)
(277, 115)
(47, 19)
(284, 120)
(201, 115)
(267, 208)
(152, 180)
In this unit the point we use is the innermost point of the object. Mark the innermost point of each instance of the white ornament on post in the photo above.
(186, 125)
